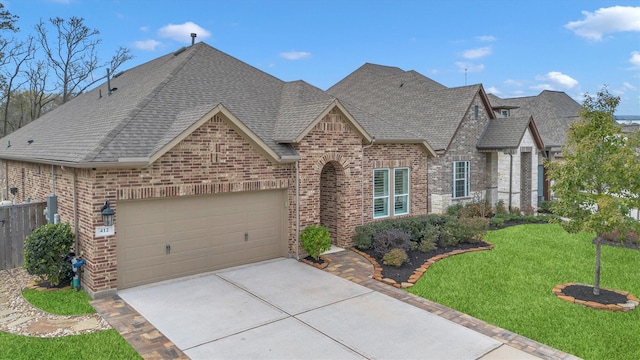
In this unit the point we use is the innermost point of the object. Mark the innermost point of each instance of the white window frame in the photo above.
(398, 196)
(465, 179)
(383, 197)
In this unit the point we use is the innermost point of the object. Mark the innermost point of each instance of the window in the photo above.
(460, 179)
(380, 193)
(504, 112)
(382, 183)
(401, 191)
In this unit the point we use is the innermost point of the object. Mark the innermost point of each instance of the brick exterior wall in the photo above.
(462, 148)
(215, 158)
(391, 156)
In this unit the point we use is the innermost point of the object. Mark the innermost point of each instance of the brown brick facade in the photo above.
(216, 158)
(462, 148)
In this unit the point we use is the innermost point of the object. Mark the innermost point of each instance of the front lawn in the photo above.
(511, 287)
(107, 344)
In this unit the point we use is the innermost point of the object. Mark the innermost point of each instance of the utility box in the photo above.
(52, 208)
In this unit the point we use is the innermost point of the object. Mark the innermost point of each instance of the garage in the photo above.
(163, 239)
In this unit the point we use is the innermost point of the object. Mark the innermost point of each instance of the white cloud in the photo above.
(149, 45)
(494, 90)
(559, 78)
(144, 28)
(606, 21)
(469, 67)
(541, 87)
(476, 53)
(182, 32)
(486, 38)
(512, 82)
(635, 59)
(628, 86)
(295, 55)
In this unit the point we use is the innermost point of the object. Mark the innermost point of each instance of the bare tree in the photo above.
(40, 99)
(72, 54)
(17, 56)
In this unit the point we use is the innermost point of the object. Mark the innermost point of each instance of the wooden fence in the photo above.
(16, 223)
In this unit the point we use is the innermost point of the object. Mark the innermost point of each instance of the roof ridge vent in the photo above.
(180, 51)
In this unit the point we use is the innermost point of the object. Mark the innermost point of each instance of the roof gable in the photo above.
(507, 133)
(428, 110)
(158, 102)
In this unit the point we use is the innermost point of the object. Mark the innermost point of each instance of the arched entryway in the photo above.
(331, 179)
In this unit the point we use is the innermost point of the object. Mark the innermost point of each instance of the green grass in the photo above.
(60, 302)
(107, 344)
(511, 287)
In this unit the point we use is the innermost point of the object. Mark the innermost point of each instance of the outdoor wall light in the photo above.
(107, 214)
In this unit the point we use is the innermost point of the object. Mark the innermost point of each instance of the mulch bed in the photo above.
(417, 259)
(610, 300)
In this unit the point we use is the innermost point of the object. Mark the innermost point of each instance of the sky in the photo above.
(513, 48)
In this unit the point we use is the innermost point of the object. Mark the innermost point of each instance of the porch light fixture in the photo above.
(107, 214)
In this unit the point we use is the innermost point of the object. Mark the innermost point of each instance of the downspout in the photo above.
(53, 180)
(373, 139)
(75, 211)
(510, 177)
(297, 210)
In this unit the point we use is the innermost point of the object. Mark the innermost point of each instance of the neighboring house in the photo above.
(478, 158)
(210, 163)
(553, 112)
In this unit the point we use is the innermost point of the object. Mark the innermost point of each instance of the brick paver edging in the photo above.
(632, 301)
(417, 273)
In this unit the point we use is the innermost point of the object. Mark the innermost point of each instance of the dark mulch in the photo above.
(416, 259)
(312, 260)
(585, 292)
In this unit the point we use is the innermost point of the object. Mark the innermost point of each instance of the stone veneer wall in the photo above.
(504, 169)
(462, 148)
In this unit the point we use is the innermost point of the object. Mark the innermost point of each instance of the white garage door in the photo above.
(169, 238)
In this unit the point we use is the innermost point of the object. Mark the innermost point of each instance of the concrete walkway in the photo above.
(151, 343)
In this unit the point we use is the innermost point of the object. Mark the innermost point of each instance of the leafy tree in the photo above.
(596, 182)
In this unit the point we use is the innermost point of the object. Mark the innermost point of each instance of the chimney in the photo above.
(193, 38)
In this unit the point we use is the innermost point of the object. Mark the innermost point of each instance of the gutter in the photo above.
(297, 211)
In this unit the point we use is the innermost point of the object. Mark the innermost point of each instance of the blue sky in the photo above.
(514, 48)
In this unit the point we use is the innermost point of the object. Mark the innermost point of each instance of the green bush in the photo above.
(545, 206)
(497, 221)
(476, 209)
(46, 252)
(454, 210)
(395, 257)
(472, 229)
(500, 208)
(391, 239)
(315, 239)
(427, 245)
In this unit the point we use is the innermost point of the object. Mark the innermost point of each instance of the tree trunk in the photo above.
(596, 283)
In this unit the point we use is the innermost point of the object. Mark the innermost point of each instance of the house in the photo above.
(553, 112)
(478, 156)
(209, 163)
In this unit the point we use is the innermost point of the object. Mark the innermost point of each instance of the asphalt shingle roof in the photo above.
(408, 100)
(553, 112)
(504, 133)
(158, 100)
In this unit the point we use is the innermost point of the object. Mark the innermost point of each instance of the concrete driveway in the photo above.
(283, 309)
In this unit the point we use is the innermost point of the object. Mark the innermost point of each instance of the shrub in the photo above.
(395, 257)
(427, 245)
(500, 208)
(515, 210)
(430, 237)
(391, 239)
(472, 229)
(315, 240)
(476, 209)
(545, 206)
(497, 221)
(528, 210)
(454, 210)
(46, 252)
